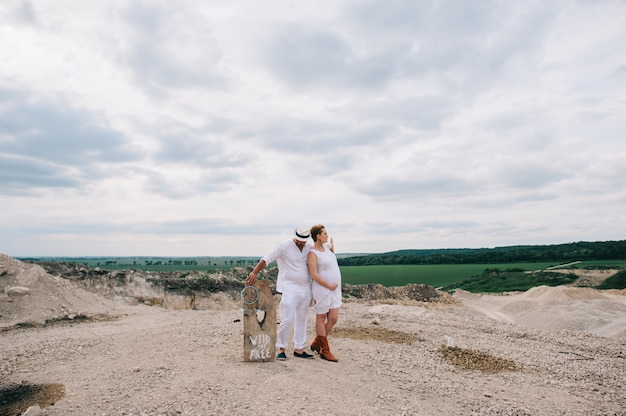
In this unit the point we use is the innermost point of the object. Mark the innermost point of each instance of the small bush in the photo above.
(494, 280)
(617, 281)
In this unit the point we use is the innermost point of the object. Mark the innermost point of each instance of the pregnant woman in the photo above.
(326, 277)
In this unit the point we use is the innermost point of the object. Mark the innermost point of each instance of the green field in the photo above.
(438, 275)
(157, 264)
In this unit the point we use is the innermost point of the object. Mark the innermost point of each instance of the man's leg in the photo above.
(286, 311)
(301, 317)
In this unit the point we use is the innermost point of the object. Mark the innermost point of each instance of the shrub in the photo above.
(617, 281)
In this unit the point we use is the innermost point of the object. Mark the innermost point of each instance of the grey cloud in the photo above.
(59, 134)
(397, 189)
(619, 73)
(469, 41)
(25, 12)
(177, 187)
(537, 196)
(397, 15)
(417, 112)
(18, 175)
(215, 164)
(427, 25)
(459, 47)
(450, 224)
(465, 26)
(21, 12)
(184, 148)
(217, 226)
(187, 226)
(43, 137)
(389, 228)
(321, 58)
(331, 148)
(297, 135)
(522, 131)
(530, 175)
(172, 48)
(209, 226)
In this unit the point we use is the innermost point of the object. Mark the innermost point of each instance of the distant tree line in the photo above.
(580, 251)
(171, 262)
(239, 262)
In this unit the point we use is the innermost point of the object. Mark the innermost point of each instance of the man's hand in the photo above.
(251, 278)
(253, 274)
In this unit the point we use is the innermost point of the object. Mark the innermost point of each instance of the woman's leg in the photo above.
(331, 319)
(320, 324)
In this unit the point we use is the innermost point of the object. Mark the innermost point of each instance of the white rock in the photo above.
(449, 341)
(33, 411)
(16, 290)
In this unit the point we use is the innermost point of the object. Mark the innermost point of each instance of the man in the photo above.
(294, 284)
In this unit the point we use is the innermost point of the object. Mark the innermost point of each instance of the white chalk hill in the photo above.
(31, 297)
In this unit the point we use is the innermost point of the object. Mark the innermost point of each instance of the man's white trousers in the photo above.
(293, 311)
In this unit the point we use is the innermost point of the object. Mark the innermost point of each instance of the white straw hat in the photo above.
(302, 234)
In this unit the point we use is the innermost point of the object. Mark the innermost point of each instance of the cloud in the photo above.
(388, 188)
(457, 40)
(46, 143)
(189, 226)
(427, 112)
(314, 57)
(24, 12)
(530, 175)
(171, 47)
(21, 175)
(294, 135)
(174, 128)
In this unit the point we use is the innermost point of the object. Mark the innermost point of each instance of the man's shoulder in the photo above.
(282, 244)
(285, 247)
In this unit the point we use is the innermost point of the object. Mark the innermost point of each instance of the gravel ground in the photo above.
(65, 351)
(393, 359)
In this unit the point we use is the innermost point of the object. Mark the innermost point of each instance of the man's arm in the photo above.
(253, 274)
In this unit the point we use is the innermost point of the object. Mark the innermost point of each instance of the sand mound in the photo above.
(562, 293)
(561, 308)
(32, 297)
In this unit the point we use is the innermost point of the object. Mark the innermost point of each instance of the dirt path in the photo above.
(394, 360)
(547, 351)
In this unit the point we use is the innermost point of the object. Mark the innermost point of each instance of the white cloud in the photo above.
(215, 128)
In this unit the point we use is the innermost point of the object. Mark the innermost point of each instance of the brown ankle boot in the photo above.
(315, 345)
(325, 353)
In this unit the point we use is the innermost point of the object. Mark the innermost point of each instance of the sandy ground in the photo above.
(548, 351)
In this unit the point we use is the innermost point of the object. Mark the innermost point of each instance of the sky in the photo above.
(212, 128)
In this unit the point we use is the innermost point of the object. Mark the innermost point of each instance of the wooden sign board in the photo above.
(259, 322)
